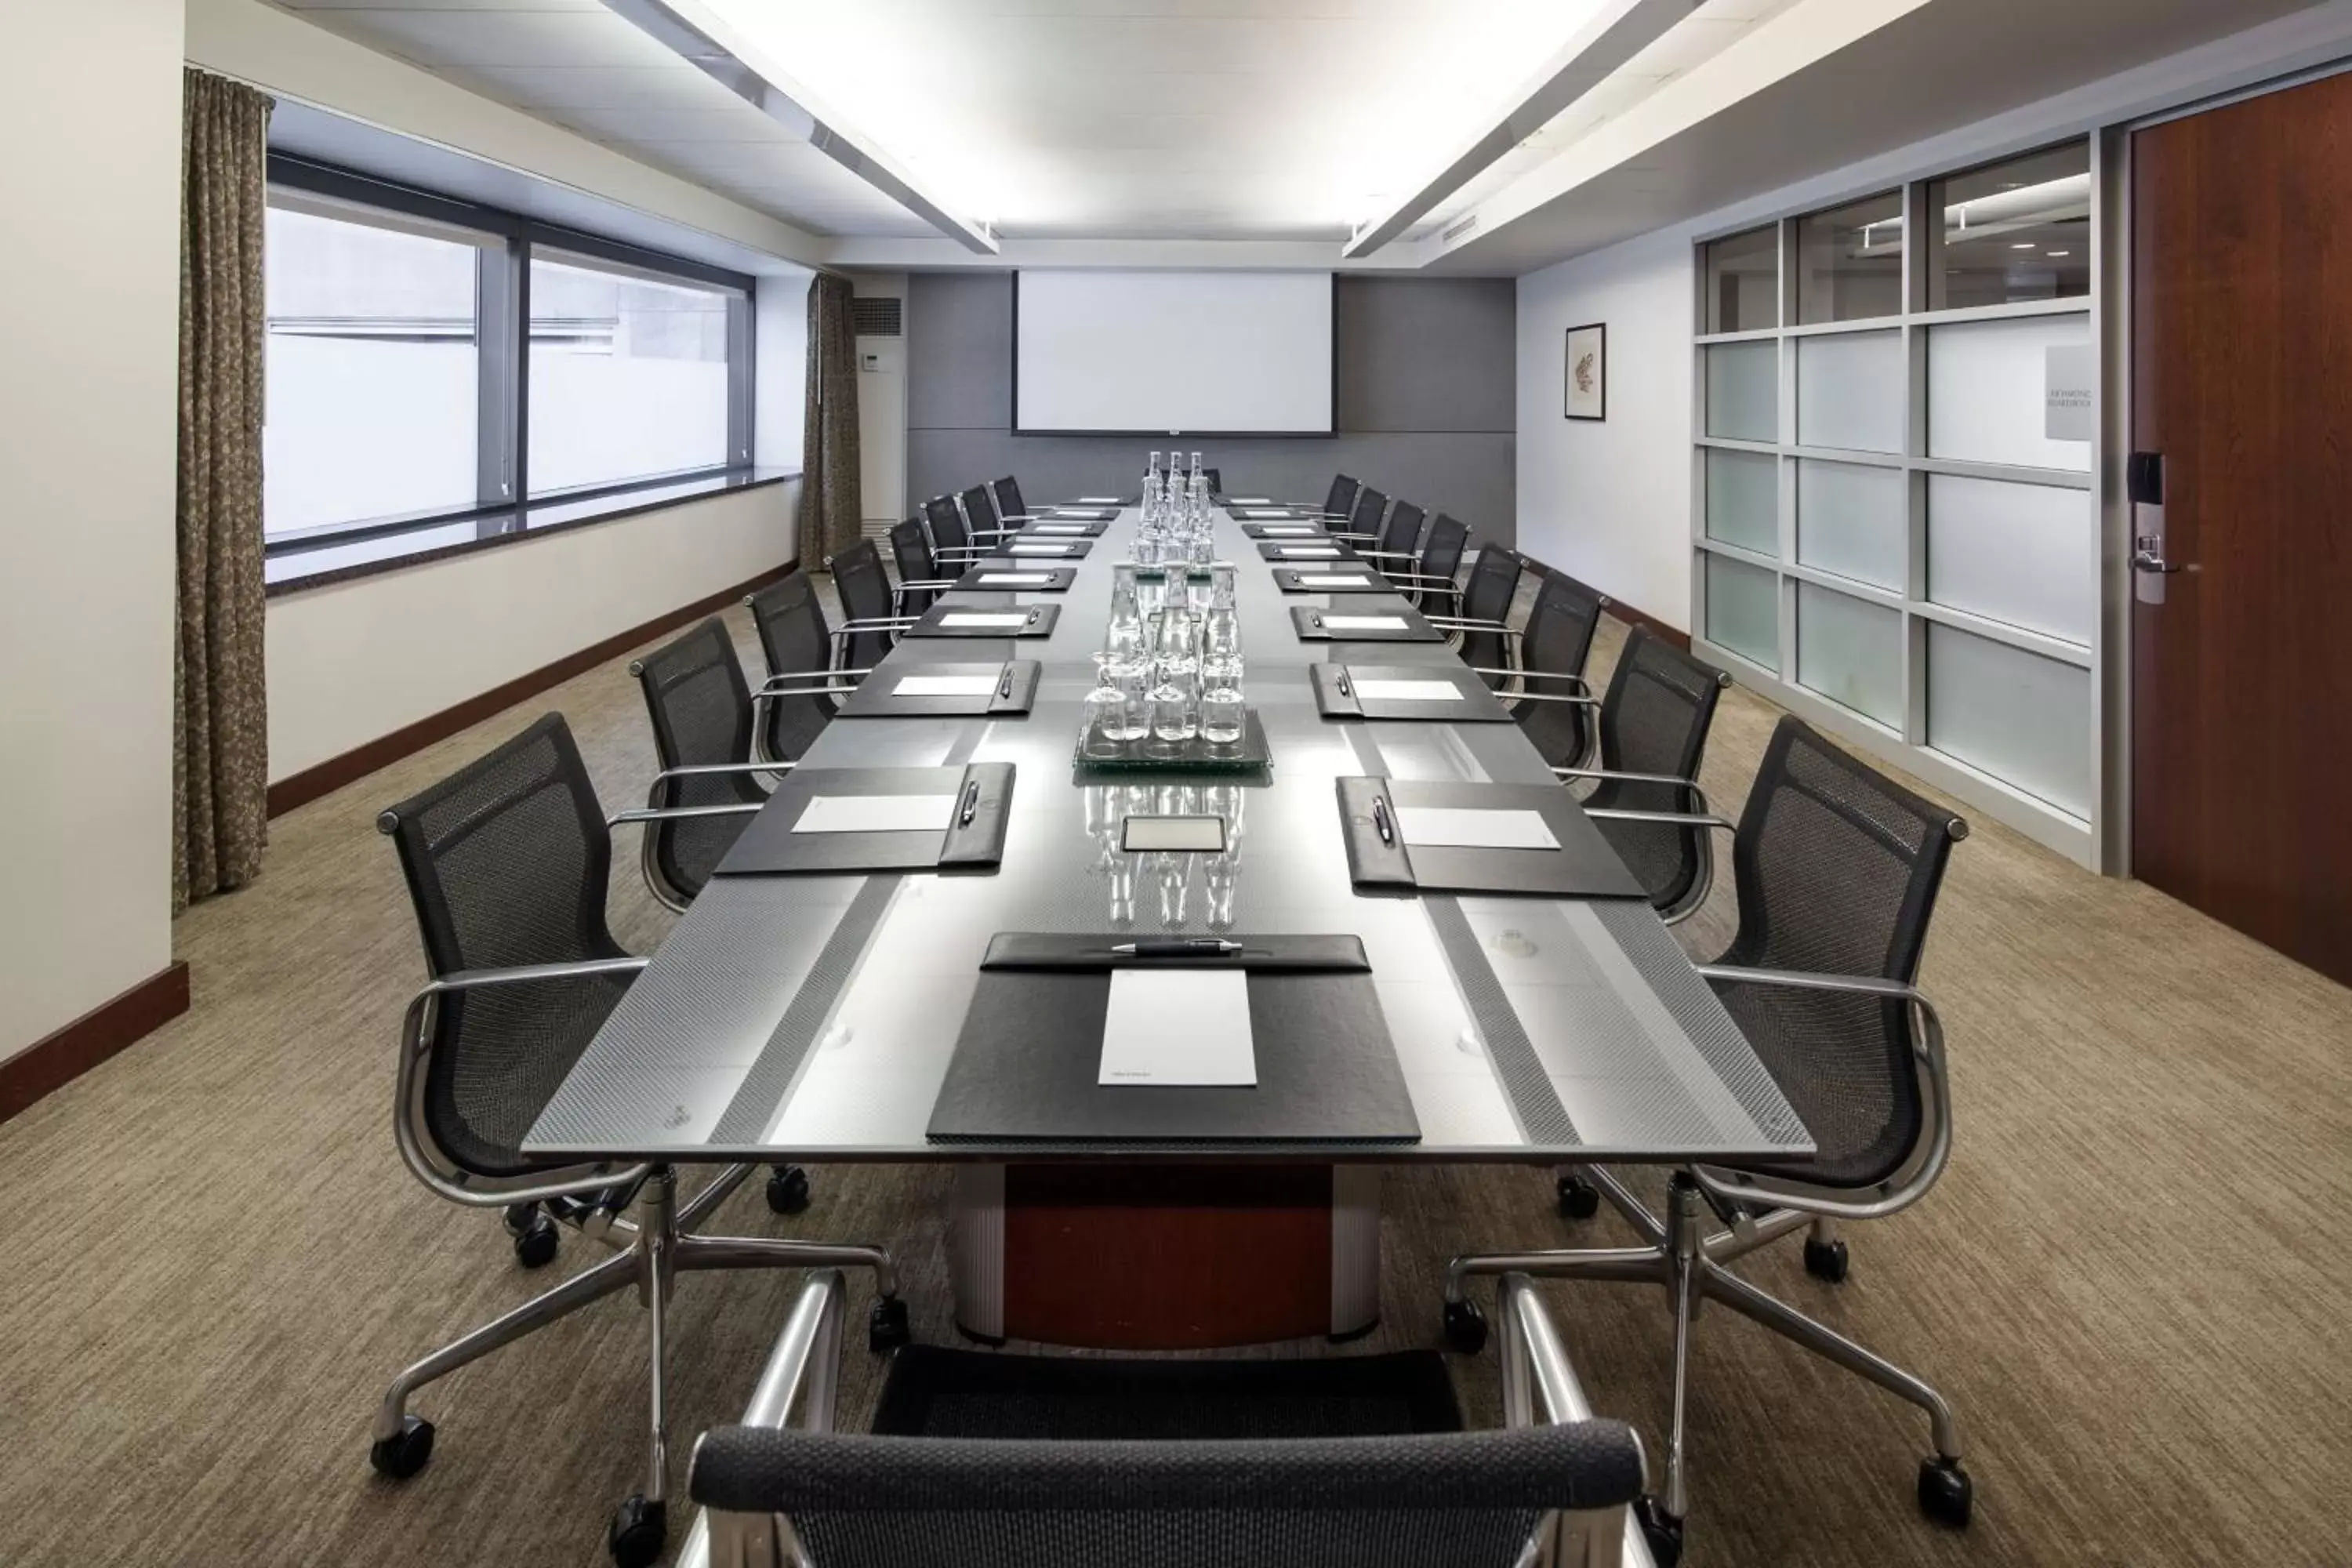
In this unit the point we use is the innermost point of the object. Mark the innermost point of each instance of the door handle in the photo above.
(2149, 555)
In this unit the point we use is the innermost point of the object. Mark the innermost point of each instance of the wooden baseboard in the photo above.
(1620, 608)
(300, 789)
(58, 1057)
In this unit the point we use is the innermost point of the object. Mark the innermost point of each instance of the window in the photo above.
(1850, 261)
(403, 403)
(1743, 282)
(373, 368)
(628, 376)
(2013, 232)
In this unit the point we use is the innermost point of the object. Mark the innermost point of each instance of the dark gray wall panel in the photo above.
(1427, 405)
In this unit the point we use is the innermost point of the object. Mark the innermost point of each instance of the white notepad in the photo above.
(1474, 827)
(1014, 579)
(1297, 550)
(985, 618)
(1406, 691)
(1178, 1027)
(876, 814)
(1284, 530)
(945, 686)
(1099, 501)
(1041, 550)
(1249, 500)
(1363, 622)
(1060, 527)
(1306, 582)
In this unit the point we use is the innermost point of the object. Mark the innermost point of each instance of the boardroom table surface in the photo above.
(812, 1017)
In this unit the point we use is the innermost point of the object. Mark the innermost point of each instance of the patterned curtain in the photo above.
(830, 504)
(220, 762)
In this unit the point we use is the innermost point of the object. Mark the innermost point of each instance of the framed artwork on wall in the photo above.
(1588, 372)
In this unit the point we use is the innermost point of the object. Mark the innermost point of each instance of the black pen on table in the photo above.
(1381, 819)
(1343, 682)
(1179, 947)
(1004, 687)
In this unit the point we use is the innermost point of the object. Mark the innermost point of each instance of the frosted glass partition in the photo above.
(2026, 555)
(1851, 520)
(1743, 610)
(1850, 652)
(1986, 386)
(1743, 500)
(1849, 392)
(1743, 391)
(2023, 719)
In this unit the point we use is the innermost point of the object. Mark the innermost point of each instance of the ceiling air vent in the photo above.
(1458, 230)
(875, 318)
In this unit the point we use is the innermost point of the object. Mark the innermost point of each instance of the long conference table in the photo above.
(811, 1018)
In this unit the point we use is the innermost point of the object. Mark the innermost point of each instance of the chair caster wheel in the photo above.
(1578, 1199)
(1826, 1260)
(1466, 1326)
(1660, 1529)
(519, 1217)
(637, 1533)
(535, 1248)
(886, 1327)
(400, 1457)
(1946, 1493)
(788, 1190)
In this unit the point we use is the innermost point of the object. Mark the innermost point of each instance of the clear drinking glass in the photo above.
(1221, 715)
(1221, 585)
(1221, 634)
(1176, 705)
(1131, 679)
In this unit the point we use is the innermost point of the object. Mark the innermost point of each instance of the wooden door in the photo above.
(2242, 654)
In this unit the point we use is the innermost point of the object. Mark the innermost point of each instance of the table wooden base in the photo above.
(1165, 1256)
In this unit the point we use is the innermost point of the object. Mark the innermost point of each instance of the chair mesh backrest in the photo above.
(1557, 641)
(701, 713)
(1494, 583)
(1371, 506)
(1656, 718)
(793, 631)
(1216, 480)
(1403, 530)
(1008, 498)
(1342, 499)
(1442, 556)
(1461, 1499)
(979, 512)
(507, 862)
(912, 551)
(865, 590)
(947, 524)
(1837, 869)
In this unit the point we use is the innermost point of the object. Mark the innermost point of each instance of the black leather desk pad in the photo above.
(1289, 578)
(768, 846)
(1338, 694)
(1272, 550)
(1064, 528)
(1583, 867)
(1065, 547)
(1039, 624)
(1026, 1065)
(1308, 622)
(1057, 578)
(1016, 689)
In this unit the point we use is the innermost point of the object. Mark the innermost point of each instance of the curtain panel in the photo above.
(830, 504)
(220, 762)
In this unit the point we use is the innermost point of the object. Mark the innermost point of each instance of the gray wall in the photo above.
(1428, 400)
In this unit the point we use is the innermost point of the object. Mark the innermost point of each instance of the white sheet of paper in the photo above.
(1099, 501)
(1474, 827)
(876, 814)
(1306, 581)
(945, 686)
(1060, 527)
(1041, 550)
(984, 618)
(1249, 500)
(1013, 579)
(1178, 1027)
(1325, 550)
(1286, 530)
(1363, 622)
(1407, 691)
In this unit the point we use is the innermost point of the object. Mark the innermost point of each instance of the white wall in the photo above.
(1610, 502)
(353, 661)
(89, 298)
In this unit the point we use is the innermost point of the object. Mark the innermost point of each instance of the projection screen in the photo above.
(1196, 353)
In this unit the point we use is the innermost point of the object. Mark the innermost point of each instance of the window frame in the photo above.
(502, 337)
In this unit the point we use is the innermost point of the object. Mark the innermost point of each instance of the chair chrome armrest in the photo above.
(694, 770)
(1679, 818)
(1898, 1191)
(1536, 1371)
(1503, 628)
(811, 675)
(927, 583)
(673, 812)
(1544, 696)
(460, 1186)
(879, 623)
(803, 1368)
(1531, 674)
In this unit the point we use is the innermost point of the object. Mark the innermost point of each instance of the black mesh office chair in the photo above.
(1009, 508)
(997, 1461)
(1837, 869)
(796, 702)
(1553, 701)
(1216, 480)
(1397, 552)
(703, 722)
(506, 861)
(1654, 724)
(1433, 583)
(870, 606)
(1485, 639)
(951, 542)
(981, 518)
(920, 581)
(1341, 501)
(1363, 525)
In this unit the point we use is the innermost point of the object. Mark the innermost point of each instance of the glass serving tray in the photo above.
(1250, 754)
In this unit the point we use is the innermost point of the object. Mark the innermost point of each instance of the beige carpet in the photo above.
(2132, 1283)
